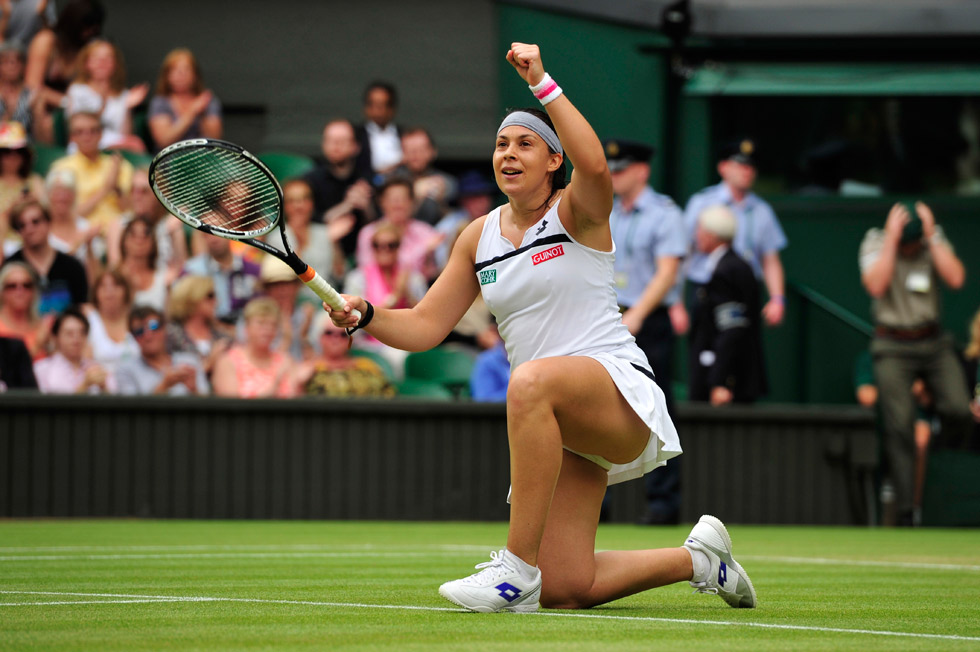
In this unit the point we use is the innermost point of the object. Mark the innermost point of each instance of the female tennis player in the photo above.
(583, 409)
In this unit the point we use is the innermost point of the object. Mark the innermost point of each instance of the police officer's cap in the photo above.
(741, 151)
(620, 153)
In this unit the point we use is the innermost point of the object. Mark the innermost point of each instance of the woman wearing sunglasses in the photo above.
(19, 299)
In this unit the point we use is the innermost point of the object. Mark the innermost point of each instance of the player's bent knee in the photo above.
(527, 386)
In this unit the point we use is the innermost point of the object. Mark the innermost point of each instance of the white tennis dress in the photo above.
(553, 296)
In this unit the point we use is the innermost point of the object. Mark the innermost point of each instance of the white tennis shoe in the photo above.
(498, 587)
(726, 577)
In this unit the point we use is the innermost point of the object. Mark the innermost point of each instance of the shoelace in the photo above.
(491, 570)
(702, 587)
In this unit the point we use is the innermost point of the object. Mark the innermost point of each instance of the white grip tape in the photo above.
(328, 294)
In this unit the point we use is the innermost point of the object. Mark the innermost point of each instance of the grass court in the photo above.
(299, 585)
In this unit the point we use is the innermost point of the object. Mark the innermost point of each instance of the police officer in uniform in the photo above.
(648, 230)
(758, 236)
(902, 267)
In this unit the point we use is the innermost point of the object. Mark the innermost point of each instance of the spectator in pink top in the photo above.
(69, 370)
(253, 368)
(418, 239)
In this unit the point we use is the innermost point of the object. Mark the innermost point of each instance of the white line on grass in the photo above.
(125, 598)
(828, 561)
(313, 551)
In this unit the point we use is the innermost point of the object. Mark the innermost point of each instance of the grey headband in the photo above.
(535, 124)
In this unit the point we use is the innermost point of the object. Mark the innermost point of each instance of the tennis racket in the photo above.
(219, 188)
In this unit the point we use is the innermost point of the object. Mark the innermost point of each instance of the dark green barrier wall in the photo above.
(156, 457)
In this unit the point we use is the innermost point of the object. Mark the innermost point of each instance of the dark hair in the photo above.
(411, 131)
(117, 276)
(26, 160)
(18, 210)
(145, 312)
(69, 312)
(559, 178)
(387, 87)
(391, 182)
(78, 22)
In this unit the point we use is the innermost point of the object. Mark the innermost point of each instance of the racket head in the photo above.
(217, 187)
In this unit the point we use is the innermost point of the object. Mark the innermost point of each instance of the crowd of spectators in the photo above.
(88, 249)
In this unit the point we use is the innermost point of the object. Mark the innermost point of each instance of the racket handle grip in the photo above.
(327, 293)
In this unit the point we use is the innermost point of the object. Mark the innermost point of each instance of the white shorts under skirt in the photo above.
(647, 400)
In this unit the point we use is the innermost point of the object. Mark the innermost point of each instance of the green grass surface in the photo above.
(176, 585)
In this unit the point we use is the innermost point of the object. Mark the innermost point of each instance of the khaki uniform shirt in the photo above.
(912, 298)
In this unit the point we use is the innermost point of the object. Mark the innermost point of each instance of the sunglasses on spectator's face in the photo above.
(22, 223)
(385, 246)
(82, 131)
(334, 334)
(152, 325)
(23, 285)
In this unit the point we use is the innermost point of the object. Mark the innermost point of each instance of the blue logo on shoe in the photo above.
(508, 591)
(722, 574)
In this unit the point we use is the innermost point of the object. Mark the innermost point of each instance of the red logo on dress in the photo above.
(543, 256)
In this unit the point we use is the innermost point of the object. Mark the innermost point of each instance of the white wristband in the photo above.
(546, 90)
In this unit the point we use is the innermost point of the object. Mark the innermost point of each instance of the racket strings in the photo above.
(220, 188)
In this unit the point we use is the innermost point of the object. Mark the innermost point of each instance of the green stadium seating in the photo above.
(138, 160)
(286, 165)
(378, 358)
(45, 155)
(418, 388)
(447, 366)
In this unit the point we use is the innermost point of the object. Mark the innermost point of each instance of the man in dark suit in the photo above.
(379, 136)
(725, 363)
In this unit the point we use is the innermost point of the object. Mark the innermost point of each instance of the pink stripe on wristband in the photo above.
(544, 92)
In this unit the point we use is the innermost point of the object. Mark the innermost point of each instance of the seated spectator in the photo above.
(18, 103)
(16, 371)
(157, 371)
(418, 240)
(71, 233)
(17, 182)
(68, 370)
(236, 279)
(19, 309)
(335, 372)
(102, 181)
(491, 375)
(433, 189)
(317, 244)
(62, 278)
(53, 52)
(476, 195)
(108, 316)
(139, 262)
(378, 136)
(100, 88)
(192, 322)
(253, 368)
(182, 107)
(168, 230)
(280, 283)
(385, 282)
(339, 186)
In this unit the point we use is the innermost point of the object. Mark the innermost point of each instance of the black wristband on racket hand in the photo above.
(365, 320)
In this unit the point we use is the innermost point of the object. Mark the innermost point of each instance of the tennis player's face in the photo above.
(521, 160)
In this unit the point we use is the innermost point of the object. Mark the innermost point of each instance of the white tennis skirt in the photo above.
(647, 400)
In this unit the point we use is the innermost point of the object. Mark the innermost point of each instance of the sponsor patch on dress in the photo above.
(548, 254)
(488, 276)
